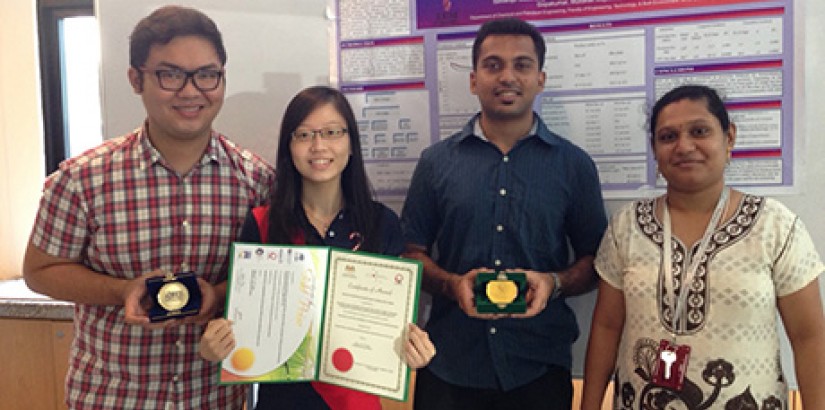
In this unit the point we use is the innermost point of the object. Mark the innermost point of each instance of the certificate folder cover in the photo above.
(304, 313)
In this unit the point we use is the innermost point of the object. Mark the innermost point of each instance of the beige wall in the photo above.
(21, 134)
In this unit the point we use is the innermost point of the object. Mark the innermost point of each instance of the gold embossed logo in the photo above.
(173, 296)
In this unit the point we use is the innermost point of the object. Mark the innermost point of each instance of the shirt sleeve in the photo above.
(393, 241)
(798, 262)
(419, 214)
(588, 218)
(610, 263)
(265, 180)
(61, 226)
(607, 263)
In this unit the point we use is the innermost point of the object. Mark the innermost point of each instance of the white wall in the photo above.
(274, 47)
(21, 135)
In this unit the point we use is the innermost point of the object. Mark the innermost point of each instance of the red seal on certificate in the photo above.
(342, 359)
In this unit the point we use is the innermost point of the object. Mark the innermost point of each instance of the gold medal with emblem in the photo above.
(173, 296)
(501, 291)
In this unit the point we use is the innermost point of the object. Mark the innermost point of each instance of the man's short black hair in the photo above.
(167, 23)
(510, 26)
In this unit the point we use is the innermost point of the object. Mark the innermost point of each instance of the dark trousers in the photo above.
(552, 391)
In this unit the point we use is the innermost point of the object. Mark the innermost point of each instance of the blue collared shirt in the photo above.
(473, 206)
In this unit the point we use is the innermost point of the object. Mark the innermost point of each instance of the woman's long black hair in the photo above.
(285, 207)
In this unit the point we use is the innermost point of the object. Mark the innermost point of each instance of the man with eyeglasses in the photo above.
(169, 197)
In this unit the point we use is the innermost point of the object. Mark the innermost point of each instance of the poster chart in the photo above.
(405, 66)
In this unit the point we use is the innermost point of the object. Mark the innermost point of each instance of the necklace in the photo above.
(679, 299)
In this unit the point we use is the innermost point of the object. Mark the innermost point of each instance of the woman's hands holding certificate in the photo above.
(418, 350)
(217, 340)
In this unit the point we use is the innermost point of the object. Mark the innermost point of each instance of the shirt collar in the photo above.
(150, 154)
(539, 129)
(480, 133)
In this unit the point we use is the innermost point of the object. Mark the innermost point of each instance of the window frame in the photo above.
(49, 15)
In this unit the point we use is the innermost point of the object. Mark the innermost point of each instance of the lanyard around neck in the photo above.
(679, 308)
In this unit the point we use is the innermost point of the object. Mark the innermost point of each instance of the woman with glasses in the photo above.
(321, 197)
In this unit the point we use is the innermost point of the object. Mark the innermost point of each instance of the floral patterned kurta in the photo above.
(760, 254)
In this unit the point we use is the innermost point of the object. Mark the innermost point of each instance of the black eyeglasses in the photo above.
(326, 133)
(174, 79)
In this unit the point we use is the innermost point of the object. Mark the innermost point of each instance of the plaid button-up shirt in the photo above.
(123, 212)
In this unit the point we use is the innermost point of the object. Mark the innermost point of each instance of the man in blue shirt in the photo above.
(503, 193)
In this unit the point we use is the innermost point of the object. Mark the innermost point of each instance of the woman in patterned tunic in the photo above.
(733, 259)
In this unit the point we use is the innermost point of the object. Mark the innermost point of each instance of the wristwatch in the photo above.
(556, 286)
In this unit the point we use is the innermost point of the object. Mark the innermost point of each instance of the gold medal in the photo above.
(173, 296)
(501, 292)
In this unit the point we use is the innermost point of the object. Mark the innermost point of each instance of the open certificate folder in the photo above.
(304, 313)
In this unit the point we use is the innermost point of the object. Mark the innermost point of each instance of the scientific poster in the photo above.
(607, 61)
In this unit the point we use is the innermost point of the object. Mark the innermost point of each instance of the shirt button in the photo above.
(492, 330)
(185, 223)
(506, 159)
(497, 262)
(331, 234)
(175, 378)
(499, 228)
(502, 192)
(179, 344)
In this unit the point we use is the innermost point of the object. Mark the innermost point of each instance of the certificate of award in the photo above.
(305, 313)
